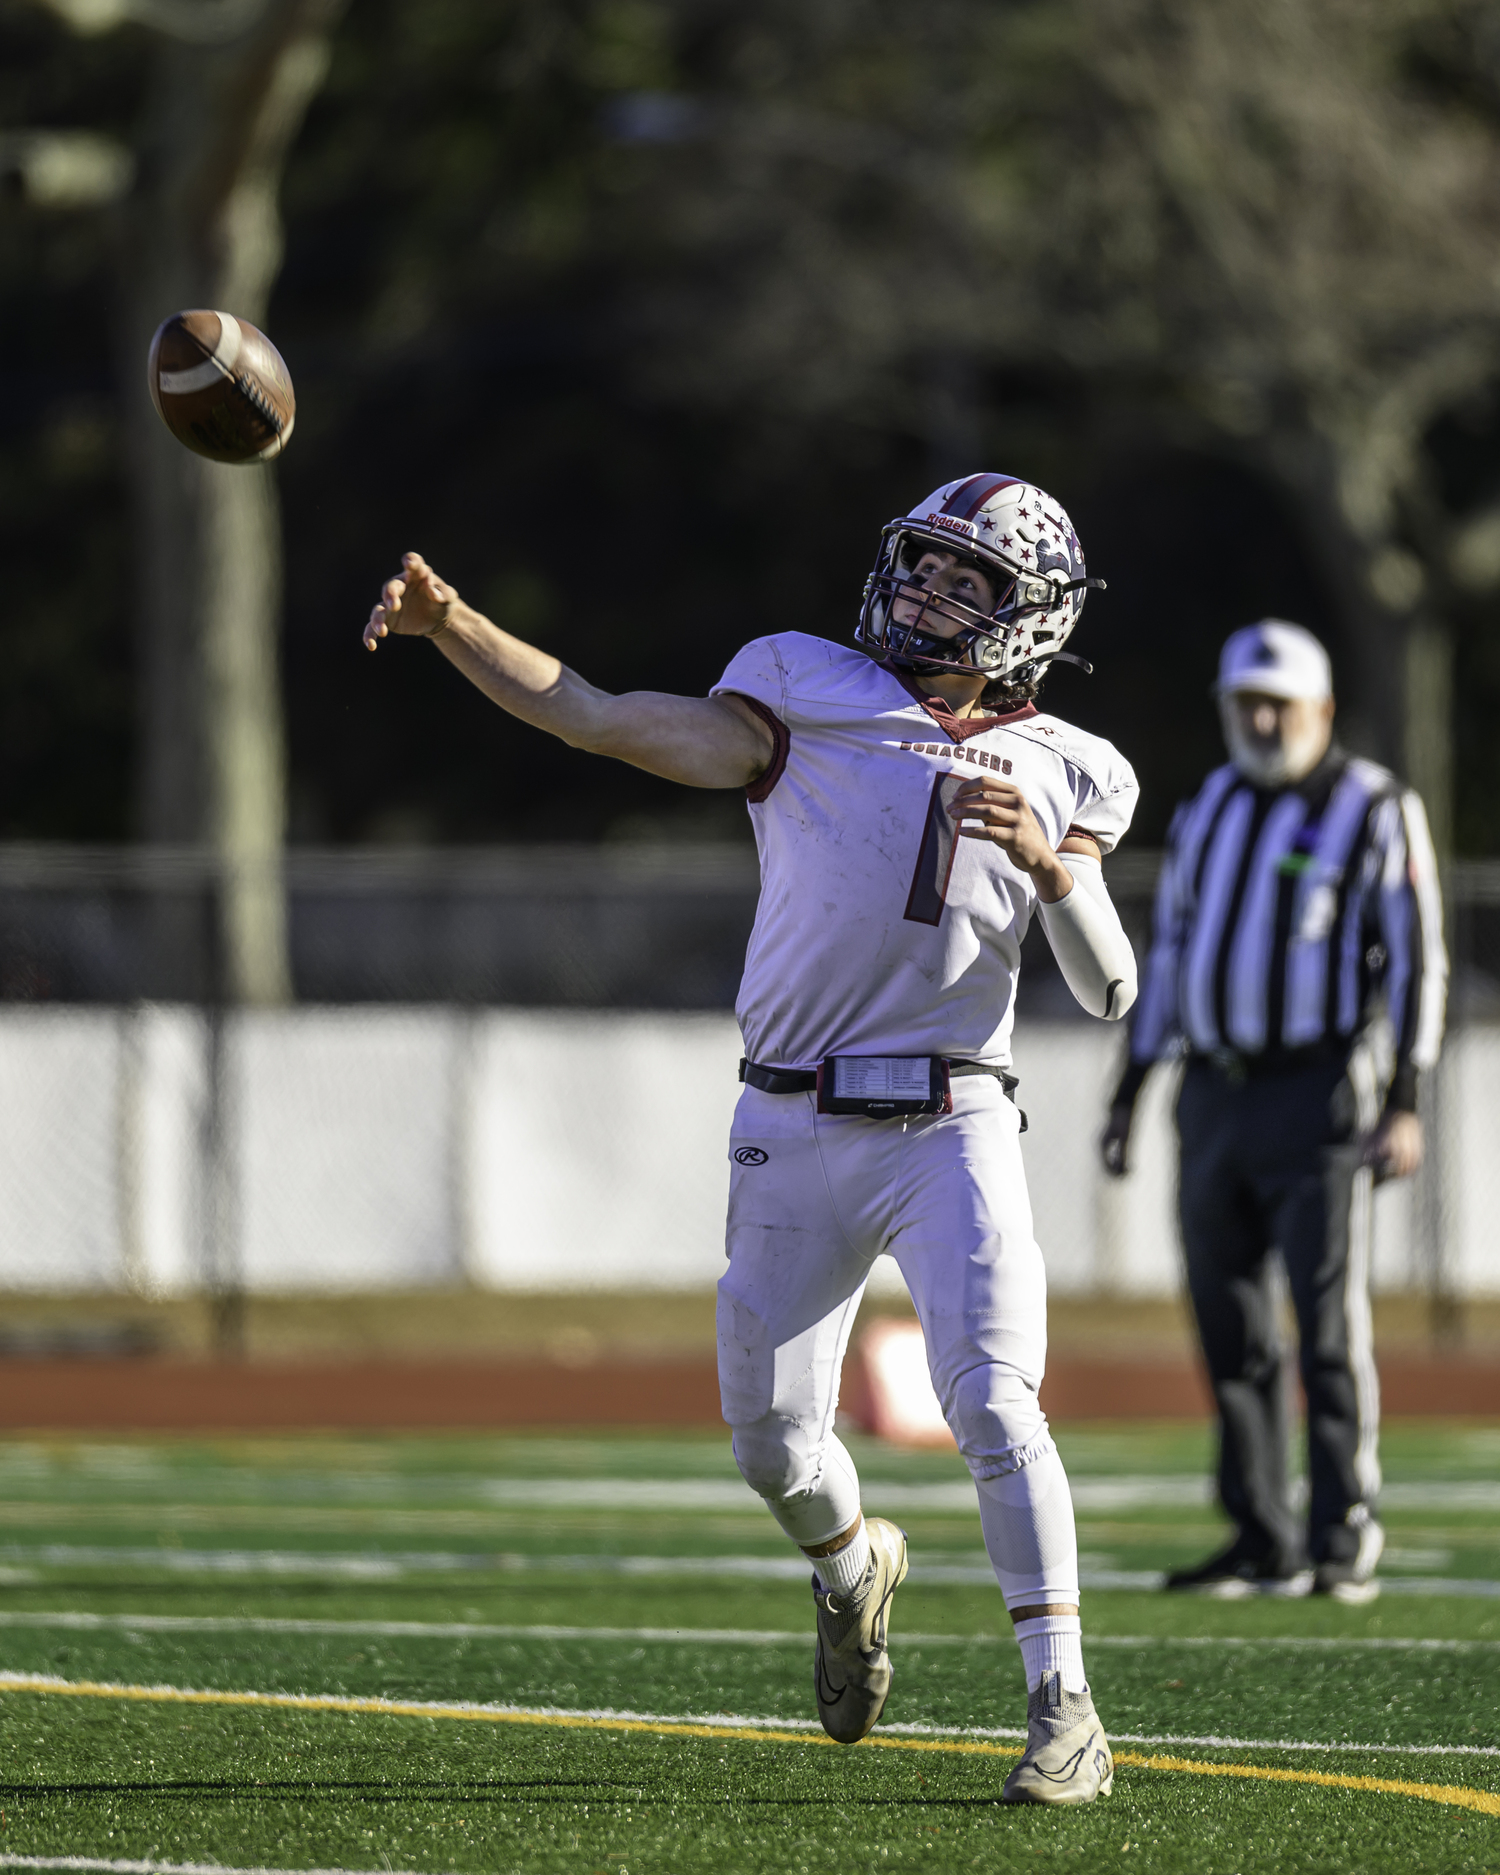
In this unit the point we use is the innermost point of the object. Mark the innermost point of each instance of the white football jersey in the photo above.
(879, 931)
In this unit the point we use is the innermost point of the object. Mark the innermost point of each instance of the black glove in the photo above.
(1114, 1147)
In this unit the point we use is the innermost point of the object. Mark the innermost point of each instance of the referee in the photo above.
(1298, 895)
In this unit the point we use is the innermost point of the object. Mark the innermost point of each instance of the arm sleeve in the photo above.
(1154, 1028)
(1410, 914)
(1089, 942)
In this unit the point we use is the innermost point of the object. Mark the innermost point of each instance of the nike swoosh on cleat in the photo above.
(1070, 1769)
(823, 1680)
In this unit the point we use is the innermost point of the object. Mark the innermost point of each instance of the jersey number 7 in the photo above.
(929, 883)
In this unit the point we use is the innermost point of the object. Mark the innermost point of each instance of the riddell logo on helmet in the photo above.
(953, 525)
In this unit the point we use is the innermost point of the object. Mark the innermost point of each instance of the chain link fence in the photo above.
(515, 1068)
(557, 927)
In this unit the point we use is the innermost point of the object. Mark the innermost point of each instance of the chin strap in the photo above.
(1023, 673)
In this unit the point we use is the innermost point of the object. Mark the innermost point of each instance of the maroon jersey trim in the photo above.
(758, 790)
(956, 728)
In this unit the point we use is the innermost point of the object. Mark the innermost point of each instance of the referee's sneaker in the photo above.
(1297, 897)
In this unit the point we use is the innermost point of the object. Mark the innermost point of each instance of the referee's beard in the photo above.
(1278, 762)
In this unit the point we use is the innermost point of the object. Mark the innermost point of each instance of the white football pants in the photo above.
(813, 1200)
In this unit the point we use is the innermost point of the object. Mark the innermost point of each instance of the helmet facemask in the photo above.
(1006, 643)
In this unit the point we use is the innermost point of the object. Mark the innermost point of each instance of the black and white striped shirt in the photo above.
(1282, 917)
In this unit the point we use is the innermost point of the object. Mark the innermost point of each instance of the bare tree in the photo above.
(197, 224)
(230, 84)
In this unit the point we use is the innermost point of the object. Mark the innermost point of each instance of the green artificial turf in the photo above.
(361, 1793)
(271, 1788)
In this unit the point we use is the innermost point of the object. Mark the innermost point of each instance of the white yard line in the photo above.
(1183, 1738)
(1296, 1744)
(424, 1630)
(712, 1723)
(167, 1868)
(1371, 1642)
(1089, 1493)
(1092, 1491)
(164, 1868)
(82, 1621)
(388, 1565)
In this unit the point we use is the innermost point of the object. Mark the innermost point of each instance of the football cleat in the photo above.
(1235, 1575)
(851, 1668)
(1338, 1580)
(1352, 1580)
(1067, 1757)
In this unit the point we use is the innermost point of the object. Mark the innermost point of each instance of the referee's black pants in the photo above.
(1272, 1162)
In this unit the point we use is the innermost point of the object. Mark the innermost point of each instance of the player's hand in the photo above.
(414, 603)
(1114, 1147)
(998, 811)
(1394, 1149)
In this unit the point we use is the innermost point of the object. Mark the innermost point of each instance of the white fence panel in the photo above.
(600, 1149)
(521, 1149)
(1470, 1117)
(163, 1098)
(59, 1148)
(346, 1131)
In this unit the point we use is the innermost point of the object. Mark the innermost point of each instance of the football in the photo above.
(220, 386)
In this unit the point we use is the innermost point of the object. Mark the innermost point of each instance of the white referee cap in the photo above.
(1277, 659)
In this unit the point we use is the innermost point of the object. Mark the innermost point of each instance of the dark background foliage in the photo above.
(488, 303)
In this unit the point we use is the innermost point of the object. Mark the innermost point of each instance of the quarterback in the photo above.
(913, 811)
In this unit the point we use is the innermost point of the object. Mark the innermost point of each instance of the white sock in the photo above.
(1053, 1644)
(844, 1570)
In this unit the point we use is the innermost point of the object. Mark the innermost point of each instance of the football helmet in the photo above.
(1023, 543)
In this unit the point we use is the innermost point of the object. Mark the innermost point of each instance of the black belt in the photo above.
(805, 1080)
(1237, 1068)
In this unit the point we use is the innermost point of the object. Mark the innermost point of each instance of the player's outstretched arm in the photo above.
(704, 742)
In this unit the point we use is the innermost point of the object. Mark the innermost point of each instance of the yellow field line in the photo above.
(1485, 1801)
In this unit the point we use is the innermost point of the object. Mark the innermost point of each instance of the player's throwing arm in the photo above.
(721, 742)
(703, 742)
